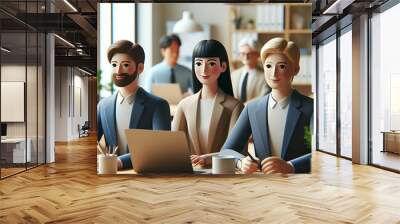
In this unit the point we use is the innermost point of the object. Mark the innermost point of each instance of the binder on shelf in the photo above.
(274, 16)
(281, 17)
(270, 17)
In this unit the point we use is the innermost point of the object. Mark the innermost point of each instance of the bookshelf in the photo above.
(291, 21)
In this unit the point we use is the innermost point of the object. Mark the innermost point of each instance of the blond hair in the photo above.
(279, 45)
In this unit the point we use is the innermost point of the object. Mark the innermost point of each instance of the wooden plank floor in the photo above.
(10, 171)
(69, 191)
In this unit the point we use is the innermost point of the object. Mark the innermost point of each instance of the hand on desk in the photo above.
(275, 164)
(198, 160)
(119, 162)
(247, 165)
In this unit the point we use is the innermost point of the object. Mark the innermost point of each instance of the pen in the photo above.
(109, 149)
(115, 150)
(254, 160)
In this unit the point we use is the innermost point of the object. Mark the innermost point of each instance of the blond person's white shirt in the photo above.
(123, 113)
(277, 113)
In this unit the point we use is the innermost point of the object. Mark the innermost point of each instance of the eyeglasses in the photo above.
(248, 53)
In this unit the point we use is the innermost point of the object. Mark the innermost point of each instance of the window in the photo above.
(123, 27)
(117, 22)
(385, 87)
(105, 41)
(346, 92)
(326, 96)
(22, 75)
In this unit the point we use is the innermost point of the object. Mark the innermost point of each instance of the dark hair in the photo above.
(167, 40)
(210, 49)
(135, 51)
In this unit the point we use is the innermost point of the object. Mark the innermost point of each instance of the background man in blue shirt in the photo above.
(169, 71)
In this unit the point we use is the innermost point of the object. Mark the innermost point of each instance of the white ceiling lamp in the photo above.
(187, 24)
(65, 41)
(337, 7)
(5, 50)
(84, 71)
(70, 5)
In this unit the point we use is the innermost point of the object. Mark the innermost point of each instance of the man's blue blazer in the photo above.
(254, 121)
(149, 112)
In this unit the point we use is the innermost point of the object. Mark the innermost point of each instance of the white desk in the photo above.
(16, 146)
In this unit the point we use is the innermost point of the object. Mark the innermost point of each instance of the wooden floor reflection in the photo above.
(70, 191)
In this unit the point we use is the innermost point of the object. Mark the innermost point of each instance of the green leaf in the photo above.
(307, 137)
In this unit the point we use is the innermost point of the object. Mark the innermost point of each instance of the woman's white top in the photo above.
(206, 107)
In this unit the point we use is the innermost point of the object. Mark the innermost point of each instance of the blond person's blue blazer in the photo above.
(149, 112)
(254, 121)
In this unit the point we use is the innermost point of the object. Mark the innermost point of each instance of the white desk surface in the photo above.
(13, 140)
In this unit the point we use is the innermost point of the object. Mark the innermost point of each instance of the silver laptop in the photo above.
(171, 92)
(159, 151)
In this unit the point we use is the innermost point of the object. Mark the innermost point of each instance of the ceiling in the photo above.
(330, 15)
(73, 20)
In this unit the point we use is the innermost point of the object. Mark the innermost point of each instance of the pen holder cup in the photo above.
(223, 164)
(107, 164)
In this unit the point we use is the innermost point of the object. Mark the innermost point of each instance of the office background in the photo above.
(48, 80)
(22, 79)
(259, 21)
(357, 87)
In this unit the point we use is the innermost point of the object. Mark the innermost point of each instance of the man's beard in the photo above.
(126, 79)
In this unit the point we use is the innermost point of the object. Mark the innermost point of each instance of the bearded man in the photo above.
(131, 107)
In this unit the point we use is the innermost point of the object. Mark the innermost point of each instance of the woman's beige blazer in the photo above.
(226, 111)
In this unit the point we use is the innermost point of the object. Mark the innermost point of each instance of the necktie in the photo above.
(243, 88)
(173, 78)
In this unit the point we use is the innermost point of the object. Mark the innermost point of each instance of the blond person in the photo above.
(278, 120)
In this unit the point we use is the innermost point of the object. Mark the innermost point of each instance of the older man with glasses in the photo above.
(248, 81)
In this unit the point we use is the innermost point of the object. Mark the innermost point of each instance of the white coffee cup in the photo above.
(223, 164)
(107, 164)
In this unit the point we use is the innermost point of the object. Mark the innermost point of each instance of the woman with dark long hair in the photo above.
(207, 116)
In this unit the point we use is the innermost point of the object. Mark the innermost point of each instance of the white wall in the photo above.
(67, 115)
(34, 124)
(15, 72)
(61, 103)
(80, 82)
(149, 33)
